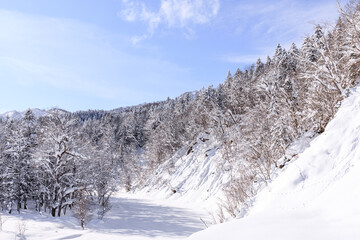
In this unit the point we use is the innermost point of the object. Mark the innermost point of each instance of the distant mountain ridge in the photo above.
(36, 111)
(84, 114)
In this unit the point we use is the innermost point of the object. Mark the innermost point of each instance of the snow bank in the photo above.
(316, 196)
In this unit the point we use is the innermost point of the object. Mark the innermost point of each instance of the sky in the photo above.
(91, 54)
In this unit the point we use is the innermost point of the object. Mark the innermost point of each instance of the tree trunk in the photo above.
(25, 203)
(60, 207)
(18, 205)
(53, 212)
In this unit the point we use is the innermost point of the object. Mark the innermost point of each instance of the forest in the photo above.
(77, 160)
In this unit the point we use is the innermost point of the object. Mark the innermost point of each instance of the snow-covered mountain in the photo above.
(12, 115)
(37, 112)
(315, 196)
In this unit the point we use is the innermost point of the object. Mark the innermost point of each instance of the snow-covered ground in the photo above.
(316, 196)
(131, 217)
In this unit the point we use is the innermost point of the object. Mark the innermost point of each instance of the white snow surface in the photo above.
(197, 173)
(317, 196)
(131, 218)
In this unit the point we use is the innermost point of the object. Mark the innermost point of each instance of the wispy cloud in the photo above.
(270, 22)
(171, 14)
(284, 15)
(71, 56)
(47, 50)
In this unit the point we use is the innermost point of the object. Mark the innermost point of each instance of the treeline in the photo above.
(55, 162)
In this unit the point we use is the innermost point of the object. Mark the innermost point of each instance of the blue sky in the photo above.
(87, 54)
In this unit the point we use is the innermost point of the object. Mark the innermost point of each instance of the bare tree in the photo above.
(83, 208)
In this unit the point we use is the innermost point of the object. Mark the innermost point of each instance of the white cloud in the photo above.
(289, 19)
(268, 23)
(181, 13)
(171, 13)
(137, 39)
(129, 14)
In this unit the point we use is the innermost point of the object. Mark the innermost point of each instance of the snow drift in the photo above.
(316, 196)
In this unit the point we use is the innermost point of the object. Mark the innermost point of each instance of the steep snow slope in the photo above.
(192, 175)
(316, 197)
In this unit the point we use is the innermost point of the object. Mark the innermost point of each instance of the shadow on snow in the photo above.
(138, 217)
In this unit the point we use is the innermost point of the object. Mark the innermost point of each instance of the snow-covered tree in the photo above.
(20, 140)
(60, 159)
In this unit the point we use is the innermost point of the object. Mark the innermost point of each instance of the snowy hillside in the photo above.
(192, 175)
(316, 196)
